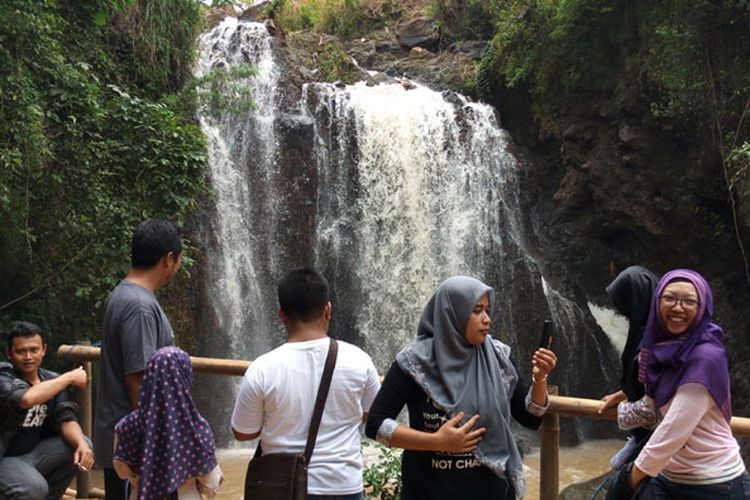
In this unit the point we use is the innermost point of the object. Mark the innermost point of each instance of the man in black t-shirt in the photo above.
(42, 447)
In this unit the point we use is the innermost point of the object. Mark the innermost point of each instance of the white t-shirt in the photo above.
(277, 396)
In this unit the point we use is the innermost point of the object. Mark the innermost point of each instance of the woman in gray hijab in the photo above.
(460, 387)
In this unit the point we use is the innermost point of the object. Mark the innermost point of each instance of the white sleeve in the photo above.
(689, 404)
(210, 483)
(372, 386)
(247, 417)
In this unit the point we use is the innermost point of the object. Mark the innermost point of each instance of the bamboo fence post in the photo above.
(549, 453)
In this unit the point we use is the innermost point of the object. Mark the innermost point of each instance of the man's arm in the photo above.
(239, 436)
(83, 456)
(139, 339)
(44, 391)
(248, 408)
(133, 383)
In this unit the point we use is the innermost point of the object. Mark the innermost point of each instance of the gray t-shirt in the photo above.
(134, 327)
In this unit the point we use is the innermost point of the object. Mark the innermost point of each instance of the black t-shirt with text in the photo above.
(428, 475)
(37, 425)
(23, 429)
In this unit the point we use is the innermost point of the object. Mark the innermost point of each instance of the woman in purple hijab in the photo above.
(692, 453)
(165, 448)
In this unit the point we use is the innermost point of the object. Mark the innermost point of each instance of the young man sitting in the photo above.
(42, 447)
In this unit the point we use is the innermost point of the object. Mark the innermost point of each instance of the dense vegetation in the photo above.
(344, 18)
(95, 135)
(689, 59)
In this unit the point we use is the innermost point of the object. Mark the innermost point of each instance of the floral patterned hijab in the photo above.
(165, 440)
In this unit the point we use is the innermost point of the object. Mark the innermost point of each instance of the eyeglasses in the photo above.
(672, 301)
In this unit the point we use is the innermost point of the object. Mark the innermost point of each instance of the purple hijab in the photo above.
(165, 441)
(696, 356)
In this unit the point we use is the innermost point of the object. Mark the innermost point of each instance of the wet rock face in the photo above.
(306, 54)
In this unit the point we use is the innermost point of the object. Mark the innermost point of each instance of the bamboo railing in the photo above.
(549, 474)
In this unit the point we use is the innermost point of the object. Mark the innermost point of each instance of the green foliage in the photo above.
(557, 49)
(689, 59)
(383, 478)
(274, 8)
(336, 65)
(155, 39)
(91, 143)
(219, 91)
(343, 18)
(465, 19)
(739, 165)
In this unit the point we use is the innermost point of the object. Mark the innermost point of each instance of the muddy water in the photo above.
(576, 464)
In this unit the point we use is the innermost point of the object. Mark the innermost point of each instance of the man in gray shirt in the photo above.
(134, 327)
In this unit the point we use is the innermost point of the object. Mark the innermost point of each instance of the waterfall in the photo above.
(414, 187)
(388, 189)
(242, 157)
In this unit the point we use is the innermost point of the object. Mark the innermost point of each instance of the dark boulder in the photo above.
(418, 32)
(473, 48)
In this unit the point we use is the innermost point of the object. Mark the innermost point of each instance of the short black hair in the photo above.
(152, 240)
(303, 294)
(25, 329)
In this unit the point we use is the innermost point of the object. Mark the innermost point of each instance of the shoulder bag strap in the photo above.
(320, 401)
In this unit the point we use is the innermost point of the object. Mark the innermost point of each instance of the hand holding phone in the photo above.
(546, 340)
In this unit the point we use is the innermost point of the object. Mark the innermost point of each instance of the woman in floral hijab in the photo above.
(165, 447)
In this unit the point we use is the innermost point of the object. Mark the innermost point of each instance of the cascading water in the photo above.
(388, 189)
(242, 157)
(413, 189)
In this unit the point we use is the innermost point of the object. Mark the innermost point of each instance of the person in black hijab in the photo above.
(631, 293)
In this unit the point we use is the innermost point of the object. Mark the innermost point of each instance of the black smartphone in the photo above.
(546, 340)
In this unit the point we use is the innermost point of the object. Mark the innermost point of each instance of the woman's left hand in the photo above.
(543, 362)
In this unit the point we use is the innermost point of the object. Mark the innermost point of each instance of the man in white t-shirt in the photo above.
(278, 392)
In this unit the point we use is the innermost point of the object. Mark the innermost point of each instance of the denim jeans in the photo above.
(353, 496)
(661, 488)
(44, 472)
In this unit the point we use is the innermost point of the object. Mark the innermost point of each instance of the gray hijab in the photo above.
(458, 376)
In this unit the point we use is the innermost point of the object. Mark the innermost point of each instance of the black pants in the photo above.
(114, 487)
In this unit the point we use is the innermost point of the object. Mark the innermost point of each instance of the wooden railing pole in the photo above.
(212, 366)
(549, 453)
(85, 406)
(559, 405)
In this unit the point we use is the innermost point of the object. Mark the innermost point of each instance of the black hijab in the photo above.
(631, 293)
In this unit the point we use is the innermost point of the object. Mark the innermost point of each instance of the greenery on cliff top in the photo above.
(689, 59)
(94, 137)
(344, 18)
